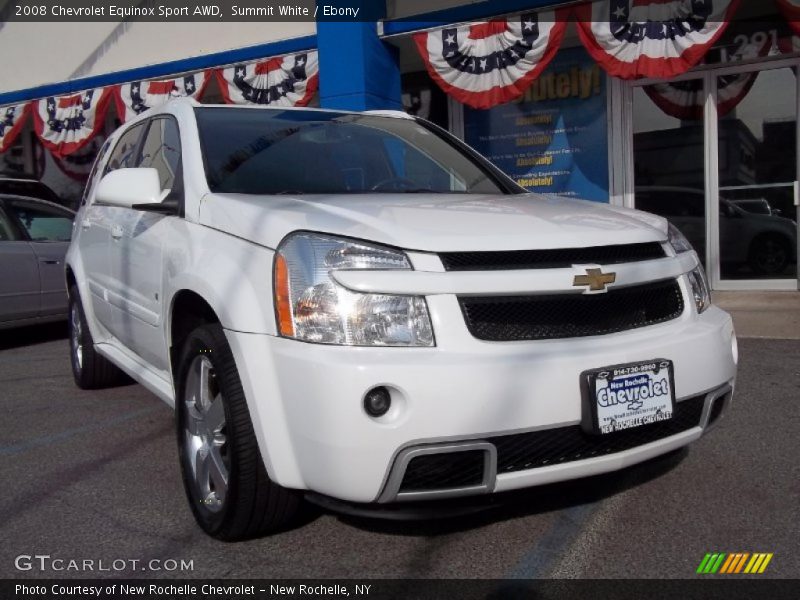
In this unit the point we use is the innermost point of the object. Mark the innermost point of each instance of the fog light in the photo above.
(377, 402)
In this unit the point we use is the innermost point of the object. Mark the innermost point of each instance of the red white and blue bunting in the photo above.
(490, 63)
(686, 99)
(652, 38)
(12, 118)
(136, 97)
(791, 10)
(79, 164)
(64, 124)
(284, 81)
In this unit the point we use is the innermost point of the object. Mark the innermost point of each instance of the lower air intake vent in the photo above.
(443, 471)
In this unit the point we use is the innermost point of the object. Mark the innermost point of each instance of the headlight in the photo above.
(697, 276)
(699, 283)
(677, 240)
(312, 307)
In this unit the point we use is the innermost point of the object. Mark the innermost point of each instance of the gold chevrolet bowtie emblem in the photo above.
(595, 279)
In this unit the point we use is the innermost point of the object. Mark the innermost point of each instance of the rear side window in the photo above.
(126, 152)
(42, 223)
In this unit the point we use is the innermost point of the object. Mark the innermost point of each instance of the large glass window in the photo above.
(757, 145)
(668, 145)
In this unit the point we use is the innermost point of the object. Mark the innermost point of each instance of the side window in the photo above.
(125, 153)
(8, 232)
(42, 223)
(90, 181)
(161, 150)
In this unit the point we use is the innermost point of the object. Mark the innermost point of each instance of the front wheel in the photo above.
(227, 485)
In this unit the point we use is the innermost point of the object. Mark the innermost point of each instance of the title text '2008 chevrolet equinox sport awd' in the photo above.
(359, 306)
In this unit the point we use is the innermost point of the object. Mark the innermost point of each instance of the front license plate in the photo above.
(627, 396)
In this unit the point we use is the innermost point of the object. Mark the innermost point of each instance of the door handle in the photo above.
(50, 261)
(116, 232)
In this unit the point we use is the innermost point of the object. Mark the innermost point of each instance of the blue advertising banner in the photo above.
(554, 139)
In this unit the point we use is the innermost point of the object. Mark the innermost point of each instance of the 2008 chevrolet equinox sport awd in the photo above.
(359, 306)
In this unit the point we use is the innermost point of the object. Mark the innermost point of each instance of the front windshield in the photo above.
(256, 151)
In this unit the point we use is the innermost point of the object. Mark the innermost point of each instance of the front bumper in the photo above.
(306, 400)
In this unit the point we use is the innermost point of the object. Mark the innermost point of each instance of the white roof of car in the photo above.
(397, 114)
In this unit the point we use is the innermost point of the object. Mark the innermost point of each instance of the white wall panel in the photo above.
(41, 53)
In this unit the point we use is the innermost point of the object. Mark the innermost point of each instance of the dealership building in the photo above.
(688, 109)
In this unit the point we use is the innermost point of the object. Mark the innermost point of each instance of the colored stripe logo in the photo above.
(735, 562)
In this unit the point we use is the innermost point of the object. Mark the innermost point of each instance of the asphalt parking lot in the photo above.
(94, 475)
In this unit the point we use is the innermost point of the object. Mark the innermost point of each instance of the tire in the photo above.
(230, 493)
(90, 370)
(769, 255)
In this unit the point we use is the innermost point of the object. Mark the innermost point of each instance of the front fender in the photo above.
(232, 275)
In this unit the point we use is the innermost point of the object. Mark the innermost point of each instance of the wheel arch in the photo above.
(188, 310)
(69, 277)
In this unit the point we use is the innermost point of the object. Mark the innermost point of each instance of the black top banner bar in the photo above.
(65, 11)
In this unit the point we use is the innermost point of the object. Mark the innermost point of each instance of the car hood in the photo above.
(433, 222)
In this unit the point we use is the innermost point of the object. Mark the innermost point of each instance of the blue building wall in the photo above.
(357, 71)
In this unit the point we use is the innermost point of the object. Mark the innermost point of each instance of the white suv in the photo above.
(358, 308)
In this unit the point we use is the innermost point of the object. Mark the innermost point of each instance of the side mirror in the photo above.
(128, 188)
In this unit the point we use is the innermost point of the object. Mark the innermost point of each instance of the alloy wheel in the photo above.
(76, 335)
(204, 435)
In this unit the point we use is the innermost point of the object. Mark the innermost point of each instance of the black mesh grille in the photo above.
(445, 470)
(566, 444)
(515, 318)
(550, 259)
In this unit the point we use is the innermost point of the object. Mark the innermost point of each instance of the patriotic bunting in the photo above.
(686, 99)
(78, 165)
(791, 10)
(136, 97)
(652, 38)
(284, 81)
(490, 63)
(65, 124)
(12, 118)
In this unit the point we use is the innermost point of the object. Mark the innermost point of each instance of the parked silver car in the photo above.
(34, 237)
